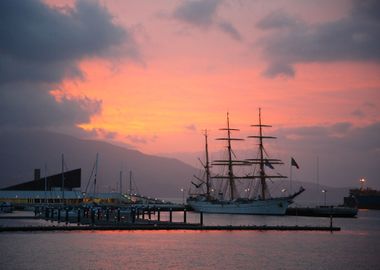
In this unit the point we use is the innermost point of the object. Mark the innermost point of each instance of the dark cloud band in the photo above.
(41, 46)
(353, 38)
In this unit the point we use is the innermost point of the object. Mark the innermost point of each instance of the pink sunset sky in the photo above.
(164, 71)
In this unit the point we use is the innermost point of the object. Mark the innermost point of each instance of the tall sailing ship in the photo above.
(229, 193)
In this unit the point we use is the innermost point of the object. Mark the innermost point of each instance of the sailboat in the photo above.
(223, 195)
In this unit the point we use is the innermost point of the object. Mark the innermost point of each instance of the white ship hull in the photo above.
(275, 206)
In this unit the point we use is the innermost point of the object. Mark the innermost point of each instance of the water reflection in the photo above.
(201, 249)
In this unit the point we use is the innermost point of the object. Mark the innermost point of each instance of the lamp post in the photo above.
(324, 191)
(362, 181)
(247, 192)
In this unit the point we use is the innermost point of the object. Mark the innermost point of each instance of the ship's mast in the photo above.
(262, 170)
(230, 168)
(207, 167)
(96, 172)
(262, 161)
(229, 162)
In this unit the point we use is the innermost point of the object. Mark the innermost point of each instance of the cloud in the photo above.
(203, 14)
(40, 47)
(358, 113)
(141, 139)
(291, 40)
(340, 128)
(325, 139)
(42, 43)
(279, 20)
(32, 105)
(366, 109)
(104, 134)
(230, 30)
(345, 152)
(197, 12)
(14, 69)
(136, 139)
(191, 127)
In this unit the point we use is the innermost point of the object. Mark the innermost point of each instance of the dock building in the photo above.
(62, 188)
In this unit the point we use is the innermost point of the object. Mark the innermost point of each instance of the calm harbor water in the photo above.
(357, 246)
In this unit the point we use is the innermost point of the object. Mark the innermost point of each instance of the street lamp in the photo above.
(324, 191)
(183, 195)
(362, 181)
(247, 192)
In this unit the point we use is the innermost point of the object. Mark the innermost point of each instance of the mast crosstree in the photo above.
(230, 163)
(262, 161)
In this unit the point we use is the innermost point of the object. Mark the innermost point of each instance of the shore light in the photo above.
(362, 181)
(324, 191)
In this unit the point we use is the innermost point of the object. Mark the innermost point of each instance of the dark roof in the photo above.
(72, 180)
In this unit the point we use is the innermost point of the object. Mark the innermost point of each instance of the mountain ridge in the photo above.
(22, 151)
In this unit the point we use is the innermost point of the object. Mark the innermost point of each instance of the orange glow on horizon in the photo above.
(151, 103)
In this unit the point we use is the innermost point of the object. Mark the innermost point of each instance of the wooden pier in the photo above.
(109, 216)
(130, 219)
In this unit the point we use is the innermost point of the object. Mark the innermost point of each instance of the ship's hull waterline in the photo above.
(276, 206)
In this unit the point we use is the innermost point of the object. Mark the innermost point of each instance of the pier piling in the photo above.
(78, 217)
(59, 215)
(92, 216)
(133, 215)
(67, 216)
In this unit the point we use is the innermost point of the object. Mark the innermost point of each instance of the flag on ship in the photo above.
(294, 163)
(268, 164)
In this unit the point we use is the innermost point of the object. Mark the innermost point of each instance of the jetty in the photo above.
(132, 219)
(323, 211)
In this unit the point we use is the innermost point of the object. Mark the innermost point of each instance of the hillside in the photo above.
(21, 152)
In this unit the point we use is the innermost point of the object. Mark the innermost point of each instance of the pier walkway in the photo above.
(134, 219)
